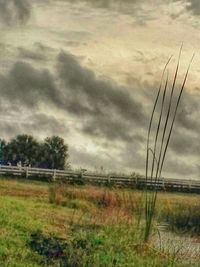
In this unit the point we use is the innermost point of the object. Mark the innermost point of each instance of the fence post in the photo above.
(26, 172)
(163, 183)
(136, 181)
(189, 184)
(54, 174)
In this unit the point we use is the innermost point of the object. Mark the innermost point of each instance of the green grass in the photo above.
(16, 226)
(99, 226)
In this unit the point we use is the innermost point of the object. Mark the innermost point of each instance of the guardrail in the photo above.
(166, 184)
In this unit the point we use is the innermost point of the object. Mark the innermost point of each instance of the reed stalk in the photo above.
(161, 138)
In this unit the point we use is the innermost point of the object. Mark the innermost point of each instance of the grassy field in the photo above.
(66, 225)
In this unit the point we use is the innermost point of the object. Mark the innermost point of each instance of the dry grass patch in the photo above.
(24, 189)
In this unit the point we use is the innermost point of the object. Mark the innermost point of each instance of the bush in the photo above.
(183, 218)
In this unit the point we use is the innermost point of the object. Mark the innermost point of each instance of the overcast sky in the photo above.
(88, 71)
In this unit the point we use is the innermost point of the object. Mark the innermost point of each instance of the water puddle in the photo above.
(181, 246)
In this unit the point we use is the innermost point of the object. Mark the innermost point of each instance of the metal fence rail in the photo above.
(166, 184)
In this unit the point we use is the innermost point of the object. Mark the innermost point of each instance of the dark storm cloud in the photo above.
(108, 110)
(111, 110)
(14, 11)
(25, 85)
(94, 95)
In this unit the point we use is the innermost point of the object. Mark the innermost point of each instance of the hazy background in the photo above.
(88, 71)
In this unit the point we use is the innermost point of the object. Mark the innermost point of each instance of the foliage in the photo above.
(52, 153)
(24, 148)
(2, 148)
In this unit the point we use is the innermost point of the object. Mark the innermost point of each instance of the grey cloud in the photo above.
(29, 54)
(185, 139)
(37, 52)
(40, 47)
(109, 128)
(107, 112)
(143, 11)
(36, 124)
(107, 3)
(81, 158)
(107, 161)
(74, 43)
(111, 111)
(110, 3)
(14, 11)
(184, 143)
(189, 112)
(133, 155)
(134, 8)
(41, 122)
(24, 85)
(183, 167)
(193, 6)
(75, 36)
(96, 95)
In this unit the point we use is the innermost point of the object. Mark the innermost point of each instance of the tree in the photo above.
(2, 150)
(23, 148)
(54, 152)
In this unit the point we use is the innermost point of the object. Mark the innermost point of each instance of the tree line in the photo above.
(25, 150)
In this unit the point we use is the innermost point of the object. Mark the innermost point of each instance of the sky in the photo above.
(89, 70)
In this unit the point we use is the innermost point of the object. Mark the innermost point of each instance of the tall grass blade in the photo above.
(152, 115)
(174, 117)
(163, 134)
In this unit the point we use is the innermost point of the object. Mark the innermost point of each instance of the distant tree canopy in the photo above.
(52, 153)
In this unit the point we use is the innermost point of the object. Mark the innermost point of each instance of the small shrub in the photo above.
(183, 218)
(53, 248)
(78, 180)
